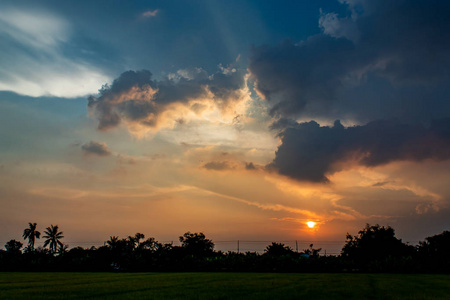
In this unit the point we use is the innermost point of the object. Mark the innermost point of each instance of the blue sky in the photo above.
(115, 36)
(169, 116)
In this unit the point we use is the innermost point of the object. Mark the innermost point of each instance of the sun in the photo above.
(311, 224)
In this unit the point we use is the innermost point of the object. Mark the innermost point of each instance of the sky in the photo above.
(243, 120)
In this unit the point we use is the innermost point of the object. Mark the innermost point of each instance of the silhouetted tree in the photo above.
(138, 237)
(113, 242)
(375, 248)
(437, 245)
(13, 246)
(278, 249)
(135, 241)
(196, 244)
(63, 249)
(130, 242)
(53, 237)
(150, 244)
(31, 234)
(435, 252)
(311, 251)
(376, 245)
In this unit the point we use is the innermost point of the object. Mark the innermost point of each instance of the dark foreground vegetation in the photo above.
(374, 249)
(222, 286)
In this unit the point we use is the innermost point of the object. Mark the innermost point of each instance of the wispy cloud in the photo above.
(217, 165)
(265, 206)
(96, 148)
(150, 13)
(35, 62)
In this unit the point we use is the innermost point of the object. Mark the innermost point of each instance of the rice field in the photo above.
(222, 286)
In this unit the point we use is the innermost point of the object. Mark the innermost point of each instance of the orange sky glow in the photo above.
(295, 125)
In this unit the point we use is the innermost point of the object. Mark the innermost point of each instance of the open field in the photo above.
(222, 286)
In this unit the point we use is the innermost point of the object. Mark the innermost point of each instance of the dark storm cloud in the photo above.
(309, 151)
(295, 77)
(387, 59)
(283, 123)
(136, 97)
(96, 148)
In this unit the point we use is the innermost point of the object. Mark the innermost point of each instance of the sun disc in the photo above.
(311, 224)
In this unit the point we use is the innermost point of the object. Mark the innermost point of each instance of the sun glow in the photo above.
(311, 224)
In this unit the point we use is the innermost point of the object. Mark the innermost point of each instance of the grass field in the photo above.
(222, 286)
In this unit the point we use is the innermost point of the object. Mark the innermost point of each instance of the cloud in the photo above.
(229, 165)
(381, 183)
(250, 166)
(217, 165)
(386, 59)
(309, 152)
(137, 100)
(39, 57)
(337, 27)
(96, 148)
(150, 13)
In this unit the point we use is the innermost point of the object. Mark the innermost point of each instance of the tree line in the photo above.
(374, 249)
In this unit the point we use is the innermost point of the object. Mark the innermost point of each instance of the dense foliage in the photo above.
(374, 249)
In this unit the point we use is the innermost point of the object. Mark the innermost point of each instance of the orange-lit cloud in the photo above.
(175, 191)
(143, 104)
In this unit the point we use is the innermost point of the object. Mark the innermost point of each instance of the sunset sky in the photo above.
(240, 119)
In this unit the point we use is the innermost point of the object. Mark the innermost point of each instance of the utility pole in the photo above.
(238, 246)
(296, 246)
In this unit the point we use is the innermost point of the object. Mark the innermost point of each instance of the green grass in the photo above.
(222, 286)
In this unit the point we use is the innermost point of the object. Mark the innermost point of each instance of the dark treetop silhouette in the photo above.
(374, 249)
(31, 234)
(13, 247)
(53, 237)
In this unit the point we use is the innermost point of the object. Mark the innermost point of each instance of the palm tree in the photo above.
(138, 237)
(113, 242)
(53, 238)
(31, 234)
